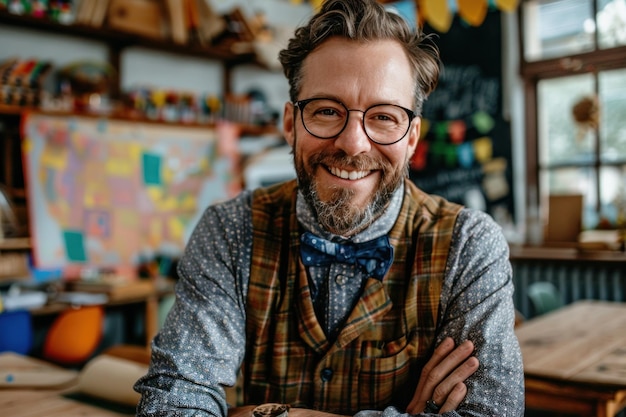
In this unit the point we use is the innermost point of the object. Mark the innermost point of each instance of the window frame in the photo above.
(531, 73)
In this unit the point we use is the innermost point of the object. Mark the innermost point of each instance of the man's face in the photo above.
(348, 179)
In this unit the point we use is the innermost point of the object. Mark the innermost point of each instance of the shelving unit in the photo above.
(117, 41)
(11, 175)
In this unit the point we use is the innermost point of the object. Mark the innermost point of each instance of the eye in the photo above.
(383, 117)
(325, 109)
(386, 115)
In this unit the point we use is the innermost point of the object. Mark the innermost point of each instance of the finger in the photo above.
(451, 391)
(452, 361)
(422, 394)
(441, 352)
(447, 366)
(454, 399)
(443, 364)
(459, 375)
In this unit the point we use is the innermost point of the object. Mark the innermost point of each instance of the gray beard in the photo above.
(338, 215)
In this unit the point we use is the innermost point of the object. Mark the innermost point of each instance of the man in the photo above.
(350, 292)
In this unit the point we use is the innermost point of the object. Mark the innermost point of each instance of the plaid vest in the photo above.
(376, 360)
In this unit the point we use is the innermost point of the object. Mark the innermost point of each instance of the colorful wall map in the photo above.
(106, 193)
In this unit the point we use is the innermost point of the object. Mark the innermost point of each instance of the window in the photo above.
(574, 69)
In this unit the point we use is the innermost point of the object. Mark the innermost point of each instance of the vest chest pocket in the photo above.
(385, 370)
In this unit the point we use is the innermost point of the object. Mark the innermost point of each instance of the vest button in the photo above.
(326, 374)
(341, 279)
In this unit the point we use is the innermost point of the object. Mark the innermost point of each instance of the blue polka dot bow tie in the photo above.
(374, 257)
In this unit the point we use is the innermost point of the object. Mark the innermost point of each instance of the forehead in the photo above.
(359, 72)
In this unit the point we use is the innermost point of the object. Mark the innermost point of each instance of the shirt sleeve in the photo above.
(202, 343)
(477, 304)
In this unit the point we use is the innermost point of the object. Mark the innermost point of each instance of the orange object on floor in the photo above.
(74, 335)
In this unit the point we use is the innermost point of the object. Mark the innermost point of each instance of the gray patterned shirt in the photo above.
(202, 344)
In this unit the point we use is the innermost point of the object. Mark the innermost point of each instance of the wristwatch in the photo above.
(271, 410)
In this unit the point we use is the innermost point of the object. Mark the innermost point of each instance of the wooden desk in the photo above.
(575, 359)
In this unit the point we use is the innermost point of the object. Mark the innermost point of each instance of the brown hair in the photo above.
(362, 20)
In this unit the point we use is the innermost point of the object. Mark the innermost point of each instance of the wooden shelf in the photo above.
(15, 243)
(119, 40)
(252, 130)
(7, 110)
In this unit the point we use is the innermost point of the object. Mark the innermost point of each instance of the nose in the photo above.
(353, 140)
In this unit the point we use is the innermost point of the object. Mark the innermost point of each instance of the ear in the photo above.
(289, 123)
(414, 135)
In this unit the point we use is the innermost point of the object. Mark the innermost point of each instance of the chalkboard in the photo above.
(464, 154)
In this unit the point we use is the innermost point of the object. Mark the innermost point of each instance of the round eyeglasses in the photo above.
(326, 118)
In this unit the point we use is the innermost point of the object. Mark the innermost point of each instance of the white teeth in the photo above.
(348, 175)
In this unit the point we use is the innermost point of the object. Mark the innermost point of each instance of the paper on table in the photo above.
(111, 378)
(18, 371)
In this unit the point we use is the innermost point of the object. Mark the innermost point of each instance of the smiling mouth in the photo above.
(348, 175)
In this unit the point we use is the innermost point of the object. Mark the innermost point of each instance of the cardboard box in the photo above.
(564, 218)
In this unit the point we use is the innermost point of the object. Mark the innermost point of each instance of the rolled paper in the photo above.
(111, 378)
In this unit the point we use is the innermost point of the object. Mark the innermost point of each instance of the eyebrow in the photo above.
(336, 98)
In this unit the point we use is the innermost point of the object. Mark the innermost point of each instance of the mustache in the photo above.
(340, 159)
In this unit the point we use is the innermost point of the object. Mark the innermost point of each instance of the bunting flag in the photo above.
(472, 11)
(440, 13)
(437, 13)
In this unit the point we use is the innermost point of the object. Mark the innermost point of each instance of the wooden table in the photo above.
(30, 387)
(575, 359)
(50, 403)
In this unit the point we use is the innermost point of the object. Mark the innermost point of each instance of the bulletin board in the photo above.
(106, 193)
(464, 154)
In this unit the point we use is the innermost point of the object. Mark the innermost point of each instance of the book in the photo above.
(210, 24)
(177, 20)
(99, 13)
(84, 11)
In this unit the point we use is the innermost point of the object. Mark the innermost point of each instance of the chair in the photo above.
(16, 332)
(74, 335)
(544, 297)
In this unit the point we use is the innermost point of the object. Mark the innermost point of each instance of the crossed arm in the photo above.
(442, 380)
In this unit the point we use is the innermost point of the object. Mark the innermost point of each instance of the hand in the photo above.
(443, 377)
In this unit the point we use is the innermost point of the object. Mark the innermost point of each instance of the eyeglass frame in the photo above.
(300, 104)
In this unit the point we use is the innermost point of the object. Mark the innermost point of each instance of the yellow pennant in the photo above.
(317, 4)
(437, 14)
(473, 11)
(507, 5)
